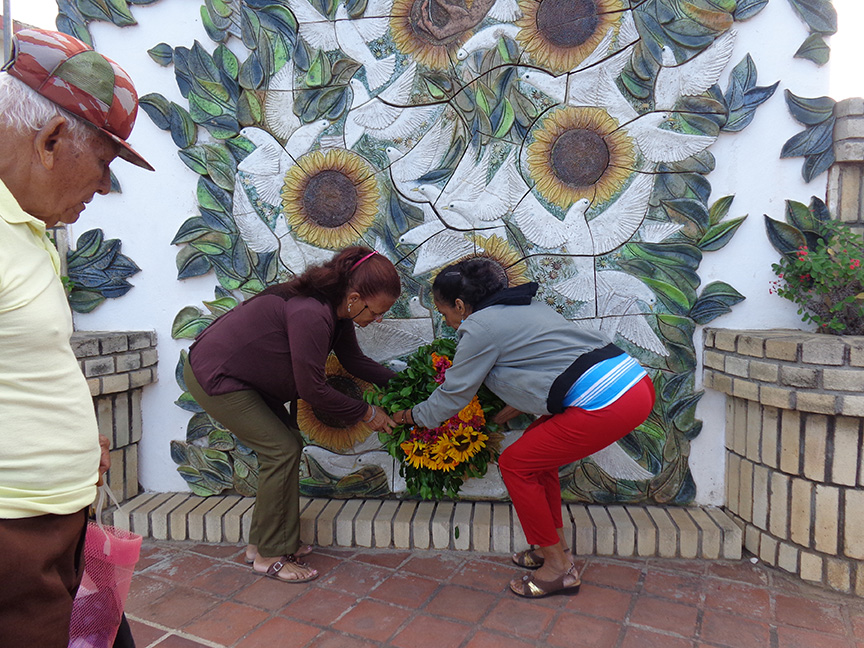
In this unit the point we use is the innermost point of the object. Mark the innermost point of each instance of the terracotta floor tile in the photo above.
(177, 607)
(372, 620)
(485, 575)
(281, 633)
(406, 590)
(391, 559)
(460, 603)
(612, 574)
(353, 578)
(180, 567)
(318, 606)
(226, 623)
(739, 598)
(678, 565)
(438, 566)
(338, 640)
(144, 634)
(428, 632)
(223, 579)
(662, 614)
(682, 588)
(484, 639)
(222, 551)
(269, 594)
(639, 638)
(809, 614)
(173, 641)
(152, 554)
(743, 571)
(797, 638)
(324, 563)
(857, 624)
(143, 591)
(600, 601)
(733, 631)
(520, 617)
(572, 630)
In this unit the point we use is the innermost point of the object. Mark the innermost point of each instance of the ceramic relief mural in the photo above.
(568, 140)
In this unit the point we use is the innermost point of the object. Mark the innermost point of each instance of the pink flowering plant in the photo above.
(826, 280)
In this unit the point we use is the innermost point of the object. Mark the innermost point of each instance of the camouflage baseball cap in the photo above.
(80, 80)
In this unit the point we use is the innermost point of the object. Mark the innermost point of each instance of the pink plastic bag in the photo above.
(110, 555)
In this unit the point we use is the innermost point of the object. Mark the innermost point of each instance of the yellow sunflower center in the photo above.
(330, 198)
(579, 157)
(344, 385)
(567, 23)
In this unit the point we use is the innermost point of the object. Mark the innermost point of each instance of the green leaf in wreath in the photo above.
(719, 235)
(162, 53)
(158, 109)
(192, 263)
(188, 323)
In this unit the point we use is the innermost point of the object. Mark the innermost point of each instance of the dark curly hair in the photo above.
(472, 281)
(331, 281)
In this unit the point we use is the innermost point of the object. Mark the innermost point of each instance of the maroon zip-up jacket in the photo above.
(279, 348)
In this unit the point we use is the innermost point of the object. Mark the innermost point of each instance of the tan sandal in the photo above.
(305, 550)
(531, 587)
(274, 570)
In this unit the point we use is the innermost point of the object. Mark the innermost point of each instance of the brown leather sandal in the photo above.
(532, 587)
(531, 558)
(274, 569)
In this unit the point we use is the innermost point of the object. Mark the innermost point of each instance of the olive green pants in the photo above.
(276, 518)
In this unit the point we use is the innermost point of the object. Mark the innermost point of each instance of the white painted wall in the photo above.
(153, 206)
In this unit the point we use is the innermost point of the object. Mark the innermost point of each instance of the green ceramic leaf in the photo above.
(194, 158)
(212, 197)
(199, 427)
(719, 235)
(158, 108)
(219, 7)
(186, 402)
(800, 216)
(814, 49)
(502, 118)
(719, 209)
(191, 229)
(184, 132)
(216, 34)
(716, 299)
(213, 243)
(188, 323)
(811, 141)
(221, 306)
(819, 15)
(748, 8)
(220, 440)
(319, 73)
(691, 213)
(672, 297)
(343, 70)
(162, 53)
(786, 239)
(816, 164)
(220, 166)
(810, 111)
(85, 301)
(192, 263)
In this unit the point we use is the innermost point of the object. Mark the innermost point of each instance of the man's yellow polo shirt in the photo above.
(49, 441)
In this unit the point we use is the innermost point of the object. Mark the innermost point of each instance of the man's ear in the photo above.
(48, 139)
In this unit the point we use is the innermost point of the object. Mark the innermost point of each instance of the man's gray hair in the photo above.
(22, 109)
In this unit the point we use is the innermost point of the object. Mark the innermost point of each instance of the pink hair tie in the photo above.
(372, 253)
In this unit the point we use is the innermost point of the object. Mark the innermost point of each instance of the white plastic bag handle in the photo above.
(100, 505)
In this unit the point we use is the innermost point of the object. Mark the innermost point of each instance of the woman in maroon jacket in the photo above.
(271, 350)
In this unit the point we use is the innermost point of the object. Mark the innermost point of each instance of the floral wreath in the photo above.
(435, 462)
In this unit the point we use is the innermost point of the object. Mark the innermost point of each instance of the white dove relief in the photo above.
(486, 38)
(389, 115)
(279, 103)
(351, 36)
(694, 76)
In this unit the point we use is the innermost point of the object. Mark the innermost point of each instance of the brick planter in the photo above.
(117, 366)
(794, 460)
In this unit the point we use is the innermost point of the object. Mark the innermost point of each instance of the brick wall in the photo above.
(845, 185)
(117, 366)
(794, 459)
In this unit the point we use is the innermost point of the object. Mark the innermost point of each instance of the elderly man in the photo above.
(65, 113)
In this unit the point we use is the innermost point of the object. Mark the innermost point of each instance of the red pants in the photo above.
(530, 466)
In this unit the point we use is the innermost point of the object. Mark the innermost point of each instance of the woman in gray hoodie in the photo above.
(587, 392)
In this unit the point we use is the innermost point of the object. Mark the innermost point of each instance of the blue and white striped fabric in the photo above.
(604, 383)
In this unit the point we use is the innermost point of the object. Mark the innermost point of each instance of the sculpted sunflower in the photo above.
(417, 42)
(498, 250)
(326, 430)
(580, 153)
(560, 34)
(330, 199)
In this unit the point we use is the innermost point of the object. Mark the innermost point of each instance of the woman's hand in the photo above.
(505, 415)
(377, 419)
(404, 417)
